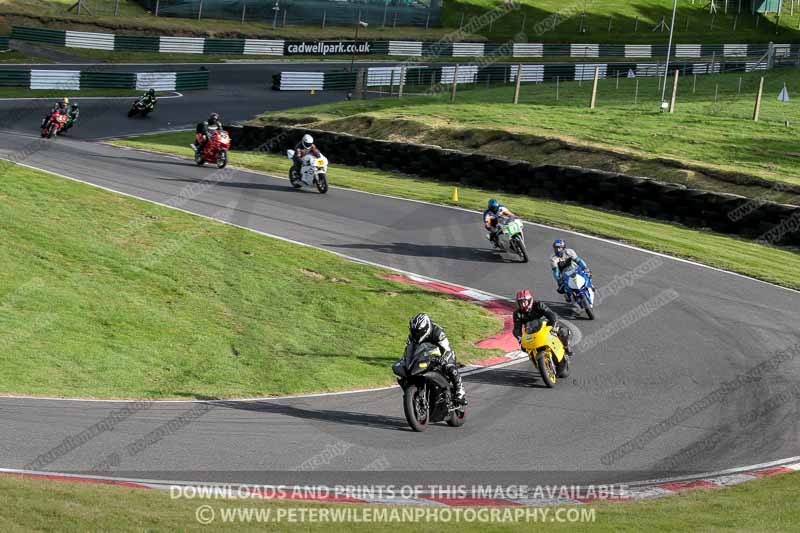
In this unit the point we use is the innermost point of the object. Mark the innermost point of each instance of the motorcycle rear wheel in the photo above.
(198, 159)
(294, 178)
(546, 369)
(411, 404)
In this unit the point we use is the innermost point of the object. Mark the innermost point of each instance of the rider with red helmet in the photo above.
(529, 309)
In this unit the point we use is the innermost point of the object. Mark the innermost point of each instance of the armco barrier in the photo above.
(74, 80)
(201, 45)
(4, 43)
(497, 72)
(619, 192)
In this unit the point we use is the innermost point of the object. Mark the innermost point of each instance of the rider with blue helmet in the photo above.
(562, 258)
(494, 210)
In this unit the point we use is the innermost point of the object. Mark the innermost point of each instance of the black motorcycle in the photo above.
(428, 396)
(140, 107)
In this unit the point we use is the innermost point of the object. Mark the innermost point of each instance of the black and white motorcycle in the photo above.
(313, 172)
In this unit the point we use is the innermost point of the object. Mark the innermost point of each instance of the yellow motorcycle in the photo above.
(545, 350)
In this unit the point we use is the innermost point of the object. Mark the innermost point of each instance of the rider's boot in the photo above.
(458, 385)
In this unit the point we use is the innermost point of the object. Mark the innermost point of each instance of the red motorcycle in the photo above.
(215, 150)
(53, 125)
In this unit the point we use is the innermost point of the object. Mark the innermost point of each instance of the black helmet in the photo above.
(420, 327)
(213, 119)
(151, 92)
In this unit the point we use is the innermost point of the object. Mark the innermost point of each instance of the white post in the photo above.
(669, 50)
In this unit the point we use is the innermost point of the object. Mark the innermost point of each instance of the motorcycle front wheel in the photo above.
(222, 159)
(131, 112)
(586, 307)
(546, 369)
(322, 183)
(456, 418)
(562, 369)
(52, 131)
(520, 246)
(414, 406)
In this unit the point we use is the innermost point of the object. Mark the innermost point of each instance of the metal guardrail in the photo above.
(4, 43)
(92, 79)
(431, 76)
(201, 45)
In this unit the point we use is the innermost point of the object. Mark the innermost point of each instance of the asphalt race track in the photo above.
(236, 92)
(709, 329)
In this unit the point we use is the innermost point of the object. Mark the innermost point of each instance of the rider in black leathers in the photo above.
(422, 329)
(529, 310)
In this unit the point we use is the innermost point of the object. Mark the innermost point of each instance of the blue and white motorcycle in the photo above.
(577, 286)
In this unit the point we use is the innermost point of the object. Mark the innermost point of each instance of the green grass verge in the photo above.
(694, 22)
(13, 57)
(730, 253)
(35, 505)
(20, 92)
(108, 296)
(711, 132)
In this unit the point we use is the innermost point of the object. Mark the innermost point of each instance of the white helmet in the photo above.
(308, 140)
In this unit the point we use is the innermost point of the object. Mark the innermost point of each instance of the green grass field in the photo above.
(36, 505)
(618, 21)
(706, 247)
(711, 137)
(107, 296)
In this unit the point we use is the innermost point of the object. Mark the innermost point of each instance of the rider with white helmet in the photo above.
(305, 146)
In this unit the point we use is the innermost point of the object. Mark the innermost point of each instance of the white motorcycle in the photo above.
(313, 171)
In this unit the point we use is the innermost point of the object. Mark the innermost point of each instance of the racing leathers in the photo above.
(490, 219)
(537, 311)
(201, 134)
(449, 365)
(60, 107)
(559, 263)
(300, 152)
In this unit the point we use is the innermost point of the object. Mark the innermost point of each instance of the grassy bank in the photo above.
(616, 21)
(710, 142)
(706, 247)
(764, 505)
(107, 296)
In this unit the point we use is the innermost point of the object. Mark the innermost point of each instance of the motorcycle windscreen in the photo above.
(534, 325)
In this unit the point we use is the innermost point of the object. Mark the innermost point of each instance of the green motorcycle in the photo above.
(510, 237)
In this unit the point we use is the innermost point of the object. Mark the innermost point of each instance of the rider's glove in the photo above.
(560, 289)
(588, 273)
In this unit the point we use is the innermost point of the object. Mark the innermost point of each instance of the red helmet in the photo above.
(525, 300)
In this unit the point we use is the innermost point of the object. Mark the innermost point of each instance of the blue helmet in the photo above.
(493, 205)
(559, 246)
